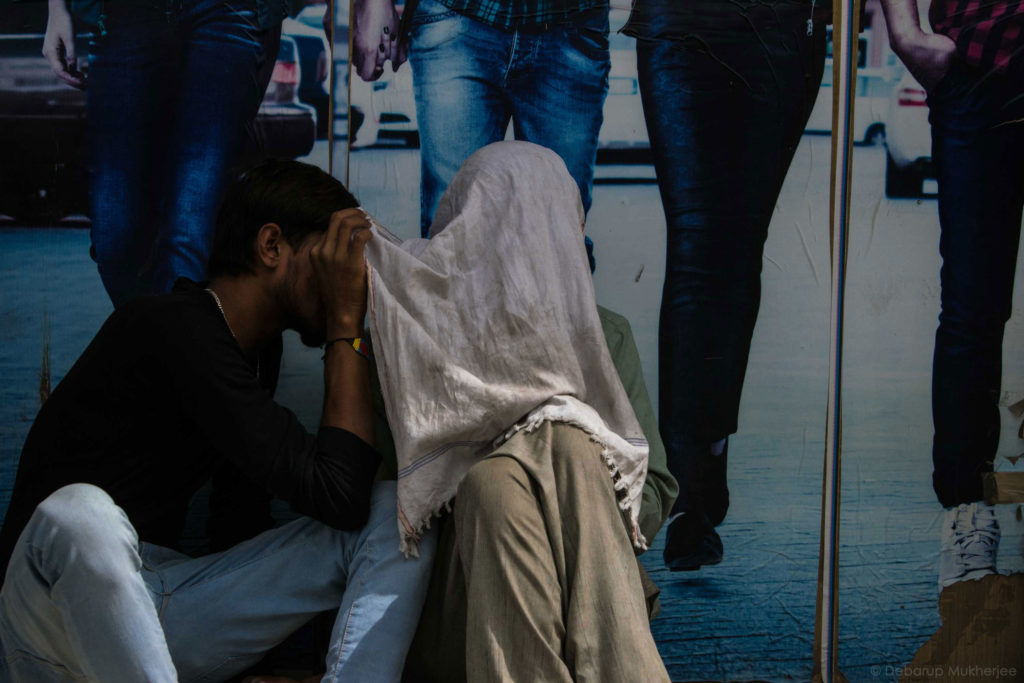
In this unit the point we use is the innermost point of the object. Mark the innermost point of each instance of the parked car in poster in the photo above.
(42, 121)
(908, 161)
(871, 99)
(314, 63)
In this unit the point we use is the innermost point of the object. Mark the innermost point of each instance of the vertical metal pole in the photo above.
(330, 88)
(348, 88)
(332, 9)
(846, 15)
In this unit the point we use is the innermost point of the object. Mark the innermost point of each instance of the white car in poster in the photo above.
(908, 167)
(381, 109)
(871, 103)
(390, 107)
(869, 108)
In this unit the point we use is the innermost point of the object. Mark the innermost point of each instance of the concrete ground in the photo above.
(750, 617)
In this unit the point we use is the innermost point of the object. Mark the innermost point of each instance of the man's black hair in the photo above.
(298, 197)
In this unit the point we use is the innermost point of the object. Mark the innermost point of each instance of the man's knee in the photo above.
(382, 526)
(76, 506)
(492, 492)
(80, 521)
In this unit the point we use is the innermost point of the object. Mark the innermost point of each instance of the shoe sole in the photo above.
(680, 566)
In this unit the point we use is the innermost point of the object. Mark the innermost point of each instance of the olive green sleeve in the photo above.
(660, 489)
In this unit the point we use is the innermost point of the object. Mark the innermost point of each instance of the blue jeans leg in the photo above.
(132, 71)
(80, 596)
(725, 109)
(222, 612)
(218, 95)
(458, 68)
(978, 156)
(384, 595)
(74, 605)
(558, 87)
(169, 97)
(471, 79)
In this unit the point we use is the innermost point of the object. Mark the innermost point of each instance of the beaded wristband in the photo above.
(357, 343)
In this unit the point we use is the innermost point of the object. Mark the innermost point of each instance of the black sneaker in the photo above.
(691, 542)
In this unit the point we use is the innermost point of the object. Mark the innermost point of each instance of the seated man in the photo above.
(491, 347)
(169, 390)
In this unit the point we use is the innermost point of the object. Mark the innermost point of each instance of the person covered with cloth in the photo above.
(505, 404)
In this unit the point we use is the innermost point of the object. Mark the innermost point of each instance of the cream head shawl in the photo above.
(491, 327)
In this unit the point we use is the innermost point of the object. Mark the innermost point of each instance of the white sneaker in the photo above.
(970, 539)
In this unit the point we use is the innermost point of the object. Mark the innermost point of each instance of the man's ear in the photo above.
(270, 244)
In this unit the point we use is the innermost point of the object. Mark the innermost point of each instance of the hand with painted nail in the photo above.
(340, 267)
(374, 36)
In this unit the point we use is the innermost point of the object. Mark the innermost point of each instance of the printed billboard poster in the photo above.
(930, 367)
(763, 413)
(745, 608)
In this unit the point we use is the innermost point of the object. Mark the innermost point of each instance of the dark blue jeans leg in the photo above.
(221, 54)
(725, 109)
(132, 74)
(170, 94)
(978, 151)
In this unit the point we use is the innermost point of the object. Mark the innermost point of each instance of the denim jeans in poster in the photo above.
(471, 78)
(172, 85)
(727, 89)
(978, 152)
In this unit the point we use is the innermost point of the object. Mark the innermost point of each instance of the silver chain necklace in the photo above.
(216, 300)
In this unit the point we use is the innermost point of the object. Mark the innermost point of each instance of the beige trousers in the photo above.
(535, 578)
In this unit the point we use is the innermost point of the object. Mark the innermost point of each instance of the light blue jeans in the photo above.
(471, 78)
(83, 600)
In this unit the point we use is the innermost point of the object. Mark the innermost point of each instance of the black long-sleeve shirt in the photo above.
(157, 402)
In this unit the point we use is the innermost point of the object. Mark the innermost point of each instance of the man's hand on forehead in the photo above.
(340, 266)
(366, 214)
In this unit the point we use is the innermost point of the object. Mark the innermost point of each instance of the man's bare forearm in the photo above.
(341, 270)
(927, 55)
(347, 402)
(902, 21)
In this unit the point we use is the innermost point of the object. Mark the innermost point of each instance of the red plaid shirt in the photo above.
(988, 33)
